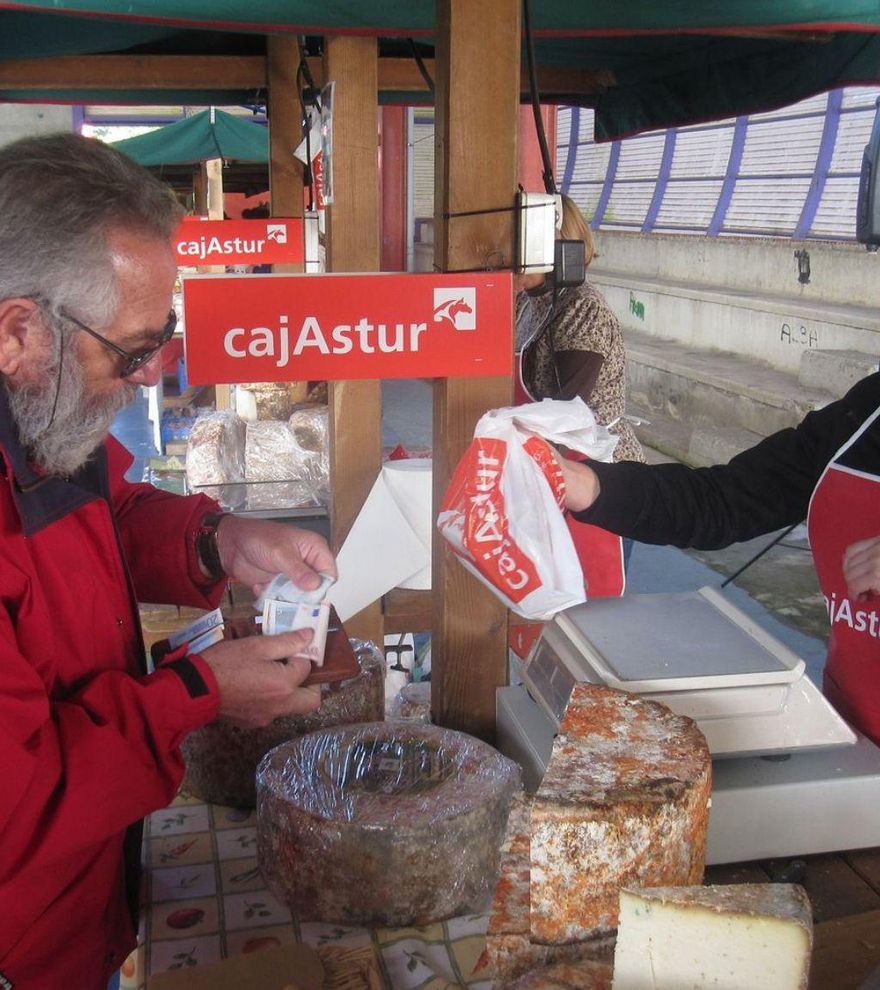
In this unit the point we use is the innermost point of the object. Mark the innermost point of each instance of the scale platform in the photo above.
(698, 654)
(790, 776)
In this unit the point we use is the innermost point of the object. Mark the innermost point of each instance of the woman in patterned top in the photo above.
(570, 343)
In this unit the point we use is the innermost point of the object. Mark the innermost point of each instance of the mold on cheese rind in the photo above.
(625, 801)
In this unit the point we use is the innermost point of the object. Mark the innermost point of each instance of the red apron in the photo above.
(844, 509)
(600, 553)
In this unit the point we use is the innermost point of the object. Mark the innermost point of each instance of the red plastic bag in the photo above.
(502, 513)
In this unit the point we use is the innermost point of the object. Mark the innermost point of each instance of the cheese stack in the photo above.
(741, 937)
(565, 976)
(624, 802)
(510, 951)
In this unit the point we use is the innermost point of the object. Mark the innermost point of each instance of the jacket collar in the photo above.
(42, 499)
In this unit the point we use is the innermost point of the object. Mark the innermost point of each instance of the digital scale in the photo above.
(790, 777)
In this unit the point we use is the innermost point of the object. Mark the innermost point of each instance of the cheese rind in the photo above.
(585, 975)
(510, 951)
(737, 937)
(624, 802)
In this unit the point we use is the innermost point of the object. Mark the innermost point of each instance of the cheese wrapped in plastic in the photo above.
(222, 758)
(383, 823)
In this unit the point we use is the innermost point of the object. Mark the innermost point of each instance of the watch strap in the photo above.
(207, 546)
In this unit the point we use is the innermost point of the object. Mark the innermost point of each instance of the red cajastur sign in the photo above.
(275, 328)
(198, 243)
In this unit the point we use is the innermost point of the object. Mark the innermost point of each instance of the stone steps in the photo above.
(703, 407)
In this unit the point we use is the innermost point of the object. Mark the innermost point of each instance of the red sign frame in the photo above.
(274, 328)
(274, 241)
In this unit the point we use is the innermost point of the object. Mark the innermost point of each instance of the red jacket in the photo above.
(88, 739)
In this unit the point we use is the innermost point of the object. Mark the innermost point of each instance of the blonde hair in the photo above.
(575, 228)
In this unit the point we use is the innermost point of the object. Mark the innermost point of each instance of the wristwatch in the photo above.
(207, 546)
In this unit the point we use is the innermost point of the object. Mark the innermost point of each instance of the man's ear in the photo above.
(18, 319)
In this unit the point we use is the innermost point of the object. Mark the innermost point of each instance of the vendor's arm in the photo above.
(762, 489)
(861, 569)
(583, 334)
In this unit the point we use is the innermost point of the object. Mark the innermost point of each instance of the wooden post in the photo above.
(477, 79)
(393, 177)
(353, 223)
(285, 171)
(213, 181)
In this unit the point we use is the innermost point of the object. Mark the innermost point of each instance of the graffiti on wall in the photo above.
(635, 307)
(799, 335)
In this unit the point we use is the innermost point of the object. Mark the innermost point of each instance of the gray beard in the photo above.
(62, 442)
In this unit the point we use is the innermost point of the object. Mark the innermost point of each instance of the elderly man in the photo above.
(88, 739)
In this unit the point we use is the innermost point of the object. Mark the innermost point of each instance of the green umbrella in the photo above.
(205, 135)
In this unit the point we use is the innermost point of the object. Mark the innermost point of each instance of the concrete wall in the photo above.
(18, 120)
(742, 294)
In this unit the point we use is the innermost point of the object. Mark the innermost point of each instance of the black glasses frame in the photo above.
(132, 359)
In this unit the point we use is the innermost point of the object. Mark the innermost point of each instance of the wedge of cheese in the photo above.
(738, 937)
(624, 803)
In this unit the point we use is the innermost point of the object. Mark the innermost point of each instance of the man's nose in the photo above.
(149, 373)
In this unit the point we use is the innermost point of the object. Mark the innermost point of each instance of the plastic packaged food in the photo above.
(412, 703)
(215, 450)
(272, 467)
(222, 758)
(383, 823)
(268, 400)
(311, 433)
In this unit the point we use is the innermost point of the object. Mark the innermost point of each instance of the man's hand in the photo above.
(259, 677)
(861, 568)
(253, 551)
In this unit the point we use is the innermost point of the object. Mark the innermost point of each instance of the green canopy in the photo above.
(645, 64)
(205, 135)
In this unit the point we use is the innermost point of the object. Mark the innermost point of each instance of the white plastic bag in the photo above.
(502, 512)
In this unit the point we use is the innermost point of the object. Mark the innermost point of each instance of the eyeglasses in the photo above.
(133, 359)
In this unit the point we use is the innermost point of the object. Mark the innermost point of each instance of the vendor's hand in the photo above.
(259, 677)
(253, 551)
(861, 568)
(581, 483)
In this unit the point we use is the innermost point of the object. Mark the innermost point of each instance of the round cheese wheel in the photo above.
(383, 824)
(222, 758)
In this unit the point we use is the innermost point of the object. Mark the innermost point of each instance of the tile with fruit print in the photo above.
(254, 939)
(179, 820)
(179, 850)
(178, 883)
(183, 953)
(254, 909)
(237, 875)
(175, 920)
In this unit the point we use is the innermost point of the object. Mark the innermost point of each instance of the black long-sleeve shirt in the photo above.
(760, 490)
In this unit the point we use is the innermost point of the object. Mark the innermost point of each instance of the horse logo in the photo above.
(456, 307)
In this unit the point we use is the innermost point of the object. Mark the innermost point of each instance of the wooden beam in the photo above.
(138, 71)
(353, 246)
(475, 168)
(203, 72)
